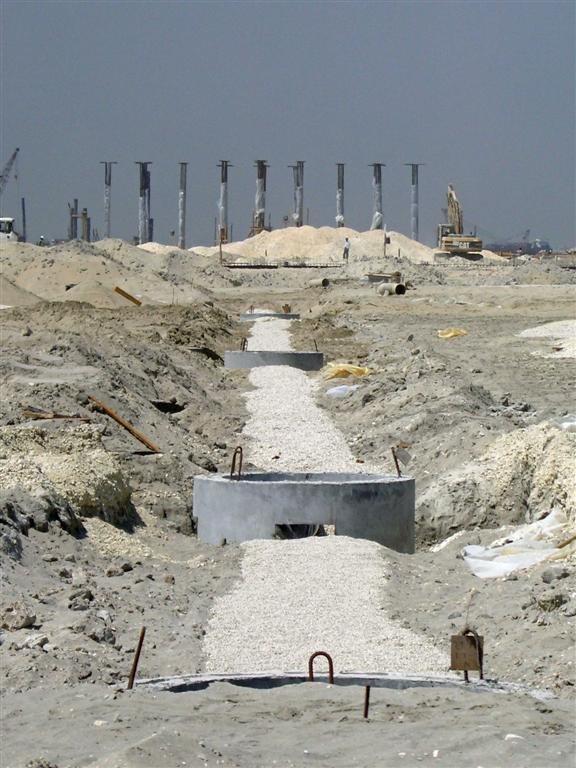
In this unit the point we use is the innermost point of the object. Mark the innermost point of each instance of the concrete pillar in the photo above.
(340, 195)
(182, 206)
(377, 213)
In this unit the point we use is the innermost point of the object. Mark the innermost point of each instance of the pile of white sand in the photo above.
(322, 245)
(562, 334)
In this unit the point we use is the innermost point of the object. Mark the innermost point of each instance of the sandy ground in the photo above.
(85, 586)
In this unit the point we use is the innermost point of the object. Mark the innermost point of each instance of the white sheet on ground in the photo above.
(545, 539)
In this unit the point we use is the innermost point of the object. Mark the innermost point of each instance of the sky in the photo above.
(483, 93)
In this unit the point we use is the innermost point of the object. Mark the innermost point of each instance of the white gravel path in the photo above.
(322, 593)
(285, 421)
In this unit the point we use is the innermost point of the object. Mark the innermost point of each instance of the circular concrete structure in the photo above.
(305, 361)
(380, 508)
(250, 316)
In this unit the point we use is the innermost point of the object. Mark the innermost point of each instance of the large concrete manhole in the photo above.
(260, 505)
(305, 361)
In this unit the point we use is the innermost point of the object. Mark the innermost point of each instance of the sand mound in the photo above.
(322, 244)
(160, 248)
(68, 463)
(523, 475)
(13, 296)
(93, 292)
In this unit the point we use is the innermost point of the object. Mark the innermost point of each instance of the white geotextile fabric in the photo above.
(526, 546)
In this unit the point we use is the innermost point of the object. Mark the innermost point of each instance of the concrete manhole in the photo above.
(257, 505)
(305, 361)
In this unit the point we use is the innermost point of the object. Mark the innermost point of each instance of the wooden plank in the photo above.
(126, 424)
(128, 296)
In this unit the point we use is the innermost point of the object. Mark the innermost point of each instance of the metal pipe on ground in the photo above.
(391, 289)
(320, 282)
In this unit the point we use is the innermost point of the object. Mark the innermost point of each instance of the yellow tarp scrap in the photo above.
(342, 370)
(451, 333)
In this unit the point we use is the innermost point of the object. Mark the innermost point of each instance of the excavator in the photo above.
(451, 238)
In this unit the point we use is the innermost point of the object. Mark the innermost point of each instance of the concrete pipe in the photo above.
(320, 282)
(391, 289)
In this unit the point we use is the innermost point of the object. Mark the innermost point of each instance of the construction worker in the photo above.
(41, 241)
(346, 249)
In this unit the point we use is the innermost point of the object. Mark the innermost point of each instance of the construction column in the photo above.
(144, 202)
(107, 193)
(260, 200)
(223, 202)
(298, 172)
(377, 215)
(340, 195)
(414, 224)
(182, 207)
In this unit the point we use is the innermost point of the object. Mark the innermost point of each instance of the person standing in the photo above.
(346, 253)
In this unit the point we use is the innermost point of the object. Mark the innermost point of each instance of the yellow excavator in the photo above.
(451, 238)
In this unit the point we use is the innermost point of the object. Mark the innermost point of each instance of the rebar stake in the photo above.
(396, 462)
(330, 666)
(366, 701)
(237, 453)
(136, 659)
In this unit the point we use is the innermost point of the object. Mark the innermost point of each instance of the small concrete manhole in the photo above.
(379, 508)
(305, 361)
(251, 316)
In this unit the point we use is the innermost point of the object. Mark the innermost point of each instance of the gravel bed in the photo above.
(320, 593)
(287, 430)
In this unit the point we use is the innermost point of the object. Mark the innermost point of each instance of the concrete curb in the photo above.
(251, 316)
(266, 681)
(305, 361)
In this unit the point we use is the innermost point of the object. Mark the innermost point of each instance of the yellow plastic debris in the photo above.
(451, 333)
(342, 370)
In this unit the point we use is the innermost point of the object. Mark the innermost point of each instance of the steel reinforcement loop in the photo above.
(237, 453)
(479, 651)
(244, 345)
(330, 666)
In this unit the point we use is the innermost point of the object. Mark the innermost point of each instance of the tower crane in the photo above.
(7, 223)
(7, 169)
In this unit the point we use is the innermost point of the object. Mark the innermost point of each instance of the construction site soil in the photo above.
(98, 531)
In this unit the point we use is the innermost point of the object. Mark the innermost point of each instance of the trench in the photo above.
(319, 593)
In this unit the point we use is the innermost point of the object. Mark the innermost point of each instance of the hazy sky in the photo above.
(483, 92)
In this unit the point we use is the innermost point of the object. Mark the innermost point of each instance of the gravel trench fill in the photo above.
(320, 593)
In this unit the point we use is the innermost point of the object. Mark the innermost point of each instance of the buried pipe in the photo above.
(391, 289)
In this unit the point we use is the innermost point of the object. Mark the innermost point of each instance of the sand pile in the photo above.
(523, 475)
(562, 336)
(13, 296)
(69, 464)
(52, 273)
(322, 244)
(93, 292)
(159, 248)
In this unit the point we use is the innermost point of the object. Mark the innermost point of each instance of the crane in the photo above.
(7, 169)
(7, 231)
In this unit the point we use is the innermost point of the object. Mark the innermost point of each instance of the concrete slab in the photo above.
(305, 361)
(251, 316)
(379, 508)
